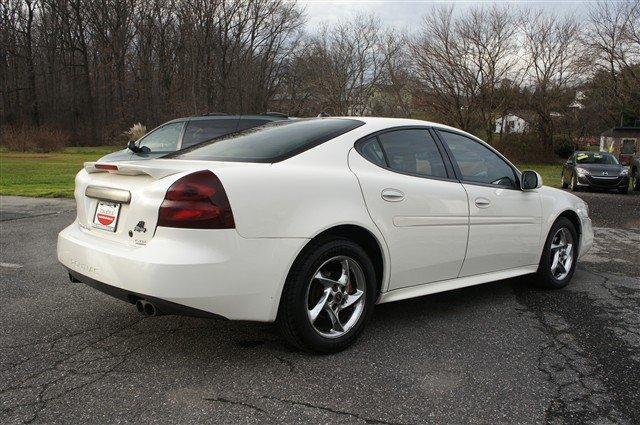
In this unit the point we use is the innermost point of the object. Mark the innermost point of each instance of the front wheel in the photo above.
(636, 180)
(558, 261)
(564, 184)
(328, 296)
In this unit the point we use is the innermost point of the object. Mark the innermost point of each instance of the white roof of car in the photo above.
(393, 122)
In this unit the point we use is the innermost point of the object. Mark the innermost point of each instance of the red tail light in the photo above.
(106, 167)
(196, 201)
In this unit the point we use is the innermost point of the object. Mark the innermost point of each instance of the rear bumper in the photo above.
(163, 306)
(212, 271)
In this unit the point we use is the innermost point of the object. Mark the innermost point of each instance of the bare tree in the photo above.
(464, 61)
(447, 82)
(346, 62)
(395, 87)
(92, 67)
(492, 55)
(553, 53)
(612, 40)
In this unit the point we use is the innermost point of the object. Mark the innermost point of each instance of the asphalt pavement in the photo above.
(497, 353)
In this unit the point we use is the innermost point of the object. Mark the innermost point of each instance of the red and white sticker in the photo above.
(106, 217)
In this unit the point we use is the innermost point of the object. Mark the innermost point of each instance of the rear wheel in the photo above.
(558, 262)
(328, 296)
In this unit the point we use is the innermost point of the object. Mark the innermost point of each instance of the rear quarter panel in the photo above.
(296, 198)
(300, 197)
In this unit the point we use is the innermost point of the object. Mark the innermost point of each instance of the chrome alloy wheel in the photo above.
(561, 252)
(336, 296)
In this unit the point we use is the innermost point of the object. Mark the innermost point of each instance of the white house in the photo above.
(510, 123)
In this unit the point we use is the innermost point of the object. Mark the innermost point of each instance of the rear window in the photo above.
(269, 143)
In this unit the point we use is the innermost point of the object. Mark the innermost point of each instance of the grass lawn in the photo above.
(550, 172)
(51, 174)
(45, 174)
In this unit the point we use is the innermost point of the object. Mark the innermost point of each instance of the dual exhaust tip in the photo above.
(147, 308)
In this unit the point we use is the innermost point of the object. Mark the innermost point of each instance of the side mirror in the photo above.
(133, 147)
(530, 180)
(137, 149)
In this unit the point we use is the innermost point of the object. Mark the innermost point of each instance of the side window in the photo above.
(199, 131)
(477, 163)
(163, 139)
(371, 150)
(413, 151)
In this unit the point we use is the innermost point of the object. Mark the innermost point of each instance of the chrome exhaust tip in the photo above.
(146, 308)
(140, 306)
(149, 309)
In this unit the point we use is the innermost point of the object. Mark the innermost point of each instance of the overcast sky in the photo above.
(407, 14)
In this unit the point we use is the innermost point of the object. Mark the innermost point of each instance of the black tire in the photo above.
(544, 278)
(574, 183)
(293, 321)
(636, 180)
(564, 183)
(623, 190)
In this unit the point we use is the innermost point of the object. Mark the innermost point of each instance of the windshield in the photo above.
(596, 158)
(270, 143)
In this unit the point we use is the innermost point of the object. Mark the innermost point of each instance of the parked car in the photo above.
(587, 169)
(312, 222)
(185, 132)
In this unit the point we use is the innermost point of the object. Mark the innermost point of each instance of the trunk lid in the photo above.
(138, 188)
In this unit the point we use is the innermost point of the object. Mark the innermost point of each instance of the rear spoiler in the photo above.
(130, 169)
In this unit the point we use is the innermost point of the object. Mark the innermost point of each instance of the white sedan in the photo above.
(310, 223)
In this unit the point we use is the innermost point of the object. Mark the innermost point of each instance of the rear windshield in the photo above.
(596, 158)
(270, 143)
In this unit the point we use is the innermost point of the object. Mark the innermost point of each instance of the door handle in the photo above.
(392, 195)
(482, 202)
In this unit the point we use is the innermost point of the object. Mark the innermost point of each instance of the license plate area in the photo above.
(106, 216)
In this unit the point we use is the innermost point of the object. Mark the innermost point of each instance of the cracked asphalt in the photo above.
(496, 353)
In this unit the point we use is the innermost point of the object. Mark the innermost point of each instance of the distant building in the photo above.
(577, 101)
(511, 123)
(624, 142)
(520, 121)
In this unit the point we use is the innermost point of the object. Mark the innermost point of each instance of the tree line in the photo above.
(94, 67)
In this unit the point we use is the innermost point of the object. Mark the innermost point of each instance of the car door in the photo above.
(413, 198)
(504, 222)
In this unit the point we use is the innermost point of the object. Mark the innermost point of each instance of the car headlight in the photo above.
(581, 171)
(625, 171)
